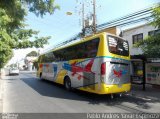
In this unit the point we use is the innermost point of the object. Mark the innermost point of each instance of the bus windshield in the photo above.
(118, 46)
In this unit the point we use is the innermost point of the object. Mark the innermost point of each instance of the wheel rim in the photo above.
(68, 84)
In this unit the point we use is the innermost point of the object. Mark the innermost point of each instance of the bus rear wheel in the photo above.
(67, 83)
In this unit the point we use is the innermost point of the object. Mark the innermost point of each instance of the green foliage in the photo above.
(22, 38)
(151, 44)
(41, 7)
(18, 7)
(156, 16)
(13, 34)
(5, 54)
(32, 53)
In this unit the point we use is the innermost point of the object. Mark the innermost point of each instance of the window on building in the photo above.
(137, 38)
(154, 32)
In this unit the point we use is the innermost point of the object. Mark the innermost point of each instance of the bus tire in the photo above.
(67, 83)
(40, 76)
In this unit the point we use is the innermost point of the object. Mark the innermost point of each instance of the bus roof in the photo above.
(87, 38)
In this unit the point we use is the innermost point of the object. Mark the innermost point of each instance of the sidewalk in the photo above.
(25, 71)
(149, 93)
(1, 91)
(1, 100)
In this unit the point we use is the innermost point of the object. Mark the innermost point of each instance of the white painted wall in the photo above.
(127, 34)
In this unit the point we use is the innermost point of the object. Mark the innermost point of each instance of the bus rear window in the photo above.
(118, 46)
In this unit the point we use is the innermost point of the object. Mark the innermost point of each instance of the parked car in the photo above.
(13, 71)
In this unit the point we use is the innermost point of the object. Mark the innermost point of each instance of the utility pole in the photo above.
(83, 16)
(94, 16)
(83, 25)
(85, 21)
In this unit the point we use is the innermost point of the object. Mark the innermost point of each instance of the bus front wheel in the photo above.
(67, 83)
(40, 77)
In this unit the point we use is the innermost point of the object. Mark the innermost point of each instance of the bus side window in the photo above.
(54, 57)
(80, 49)
(67, 54)
(89, 48)
(75, 52)
(63, 55)
(92, 48)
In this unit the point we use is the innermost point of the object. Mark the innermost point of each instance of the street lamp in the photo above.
(69, 13)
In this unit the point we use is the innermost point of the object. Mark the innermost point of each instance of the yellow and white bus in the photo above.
(97, 64)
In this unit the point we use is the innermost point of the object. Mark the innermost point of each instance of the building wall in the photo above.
(127, 34)
(112, 30)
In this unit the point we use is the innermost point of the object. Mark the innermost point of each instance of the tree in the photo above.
(5, 53)
(34, 61)
(13, 34)
(156, 16)
(151, 44)
(32, 53)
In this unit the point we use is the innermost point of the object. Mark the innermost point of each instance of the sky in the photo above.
(61, 26)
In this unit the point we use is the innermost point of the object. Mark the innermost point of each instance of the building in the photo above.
(138, 61)
(136, 34)
(29, 60)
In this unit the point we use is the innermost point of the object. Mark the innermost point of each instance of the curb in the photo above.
(150, 94)
(1, 90)
(147, 98)
(1, 95)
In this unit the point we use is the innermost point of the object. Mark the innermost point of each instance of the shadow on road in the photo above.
(50, 89)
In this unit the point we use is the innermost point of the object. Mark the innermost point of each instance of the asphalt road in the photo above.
(27, 94)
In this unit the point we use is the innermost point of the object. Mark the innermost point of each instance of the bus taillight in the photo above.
(103, 68)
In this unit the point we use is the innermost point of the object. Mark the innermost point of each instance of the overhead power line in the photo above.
(127, 22)
(147, 10)
(130, 17)
(145, 14)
